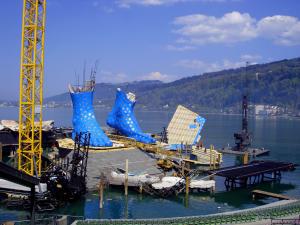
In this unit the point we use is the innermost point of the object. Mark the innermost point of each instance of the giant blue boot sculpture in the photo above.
(122, 118)
(84, 119)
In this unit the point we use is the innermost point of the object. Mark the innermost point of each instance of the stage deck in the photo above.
(252, 169)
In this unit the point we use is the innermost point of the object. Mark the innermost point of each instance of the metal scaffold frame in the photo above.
(31, 87)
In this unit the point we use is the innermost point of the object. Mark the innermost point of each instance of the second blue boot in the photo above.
(122, 118)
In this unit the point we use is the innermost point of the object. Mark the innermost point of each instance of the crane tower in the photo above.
(31, 87)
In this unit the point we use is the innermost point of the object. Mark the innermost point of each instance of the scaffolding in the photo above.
(31, 87)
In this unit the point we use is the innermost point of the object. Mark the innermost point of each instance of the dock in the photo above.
(257, 193)
(106, 161)
(253, 173)
(254, 152)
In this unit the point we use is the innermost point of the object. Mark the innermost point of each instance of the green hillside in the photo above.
(276, 83)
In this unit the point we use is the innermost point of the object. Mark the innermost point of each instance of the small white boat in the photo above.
(168, 182)
(133, 180)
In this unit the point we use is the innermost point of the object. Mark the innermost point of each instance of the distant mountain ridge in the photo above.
(105, 92)
(275, 83)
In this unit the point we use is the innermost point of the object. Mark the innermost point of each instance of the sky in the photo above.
(149, 39)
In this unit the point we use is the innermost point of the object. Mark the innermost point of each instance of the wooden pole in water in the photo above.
(219, 158)
(214, 159)
(246, 158)
(187, 180)
(126, 177)
(141, 189)
(101, 186)
(210, 156)
(187, 185)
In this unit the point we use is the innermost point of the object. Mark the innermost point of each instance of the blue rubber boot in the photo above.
(84, 119)
(122, 118)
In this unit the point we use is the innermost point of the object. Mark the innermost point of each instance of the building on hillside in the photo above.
(267, 110)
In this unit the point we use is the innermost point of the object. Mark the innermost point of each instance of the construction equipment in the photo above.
(31, 87)
(68, 181)
(242, 139)
(165, 164)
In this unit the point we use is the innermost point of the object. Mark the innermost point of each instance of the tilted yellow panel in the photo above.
(31, 87)
(179, 130)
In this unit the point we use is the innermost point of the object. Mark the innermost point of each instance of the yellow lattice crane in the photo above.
(31, 87)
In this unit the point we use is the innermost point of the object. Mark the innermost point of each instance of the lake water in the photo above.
(280, 135)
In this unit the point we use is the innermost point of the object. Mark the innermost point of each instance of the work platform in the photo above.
(254, 152)
(253, 173)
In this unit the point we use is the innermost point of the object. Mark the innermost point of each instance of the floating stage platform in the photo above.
(253, 173)
(104, 161)
(254, 152)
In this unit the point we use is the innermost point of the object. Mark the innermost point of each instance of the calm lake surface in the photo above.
(280, 135)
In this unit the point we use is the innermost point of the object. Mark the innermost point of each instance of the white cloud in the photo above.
(202, 66)
(283, 30)
(110, 77)
(129, 3)
(180, 48)
(250, 58)
(199, 29)
(103, 7)
(157, 76)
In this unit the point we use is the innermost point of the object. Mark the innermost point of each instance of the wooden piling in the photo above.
(246, 158)
(210, 157)
(187, 181)
(101, 187)
(141, 189)
(187, 185)
(214, 160)
(126, 178)
(182, 168)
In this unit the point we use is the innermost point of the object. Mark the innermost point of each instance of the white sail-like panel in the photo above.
(185, 127)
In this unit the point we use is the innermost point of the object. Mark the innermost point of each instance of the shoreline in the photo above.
(171, 111)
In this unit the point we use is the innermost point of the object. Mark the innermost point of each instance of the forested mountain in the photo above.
(276, 83)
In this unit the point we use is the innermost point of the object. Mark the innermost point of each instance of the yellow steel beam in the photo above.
(31, 86)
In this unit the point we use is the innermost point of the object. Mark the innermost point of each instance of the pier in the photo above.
(256, 193)
(253, 173)
(254, 152)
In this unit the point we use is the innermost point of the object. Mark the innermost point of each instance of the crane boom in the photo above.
(31, 87)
